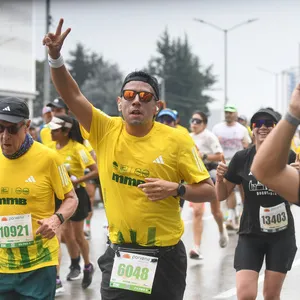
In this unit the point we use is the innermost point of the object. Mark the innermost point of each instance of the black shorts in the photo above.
(84, 205)
(278, 250)
(169, 282)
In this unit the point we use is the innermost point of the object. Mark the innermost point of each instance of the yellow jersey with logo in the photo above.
(181, 128)
(45, 135)
(76, 158)
(46, 139)
(88, 146)
(27, 187)
(125, 162)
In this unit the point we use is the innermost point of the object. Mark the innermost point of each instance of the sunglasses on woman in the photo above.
(260, 123)
(14, 129)
(145, 97)
(165, 119)
(196, 121)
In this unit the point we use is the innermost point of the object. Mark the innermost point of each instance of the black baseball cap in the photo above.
(265, 111)
(13, 110)
(145, 77)
(58, 103)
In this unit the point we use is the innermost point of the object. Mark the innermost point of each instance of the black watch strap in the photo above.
(181, 190)
(60, 216)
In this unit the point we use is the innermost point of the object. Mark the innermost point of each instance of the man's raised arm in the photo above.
(64, 83)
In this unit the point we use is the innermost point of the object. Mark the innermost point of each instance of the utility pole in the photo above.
(46, 99)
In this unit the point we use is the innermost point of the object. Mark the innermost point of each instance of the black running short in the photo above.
(169, 282)
(84, 205)
(278, 250)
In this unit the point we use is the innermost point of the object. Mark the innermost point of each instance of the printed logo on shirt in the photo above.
(30, 179)
(128, 170)
(126, 180)
(159, 160)
(260, 189)
(13, 201)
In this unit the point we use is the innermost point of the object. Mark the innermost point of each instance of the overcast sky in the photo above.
(126, 32)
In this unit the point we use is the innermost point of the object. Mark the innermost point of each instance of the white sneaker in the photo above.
(224, 238)
(195, 254)
(230, 225)
(60, 290)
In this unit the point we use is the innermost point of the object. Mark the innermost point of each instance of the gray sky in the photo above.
(126, 31)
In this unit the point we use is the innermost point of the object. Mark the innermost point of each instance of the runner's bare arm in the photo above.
(270, 163)
(214, 157)
(69, 205)
(224, 188)
(49, 226)
(159, 189)
(64, 83)
(203, 191)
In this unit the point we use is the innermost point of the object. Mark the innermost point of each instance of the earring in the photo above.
(157, 108)
(119, 106)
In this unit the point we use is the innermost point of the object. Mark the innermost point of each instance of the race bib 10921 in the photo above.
(15, 231)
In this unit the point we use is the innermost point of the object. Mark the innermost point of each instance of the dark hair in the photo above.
(202, 114)
(74, 132)
(145, 77)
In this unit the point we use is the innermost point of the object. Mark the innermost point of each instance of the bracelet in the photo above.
(56, 63)
(292, 119)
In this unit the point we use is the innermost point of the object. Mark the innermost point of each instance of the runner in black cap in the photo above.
(58, 106)
(267, 226)
(28, 246)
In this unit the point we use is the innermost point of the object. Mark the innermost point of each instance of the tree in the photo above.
(39, 80)
(104, 86)
(99, 80)
(185, 79)
(81, 64)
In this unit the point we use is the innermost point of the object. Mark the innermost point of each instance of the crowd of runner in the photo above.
(149, 167)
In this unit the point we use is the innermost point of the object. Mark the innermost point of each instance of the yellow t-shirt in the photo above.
(28, 185)
(249, 131)
(88, 146)
(46, 139)
(76, 158)
(45, 135)
(181, 128)
(125, 162)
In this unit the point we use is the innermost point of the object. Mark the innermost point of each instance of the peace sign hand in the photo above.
(55, 41)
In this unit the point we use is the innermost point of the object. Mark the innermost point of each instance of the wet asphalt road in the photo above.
(211, 278)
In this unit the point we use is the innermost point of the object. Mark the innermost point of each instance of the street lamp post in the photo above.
(225, 32)
(280, 105)
(46, 99)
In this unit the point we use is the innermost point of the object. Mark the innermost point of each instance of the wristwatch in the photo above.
(204, 156)
(181, 190)
(60, 216)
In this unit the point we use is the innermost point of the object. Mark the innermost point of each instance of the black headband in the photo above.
(149, 79)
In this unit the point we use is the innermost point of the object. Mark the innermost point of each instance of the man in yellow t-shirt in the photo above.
(58, 107)
(28, 245)
(141, 165)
